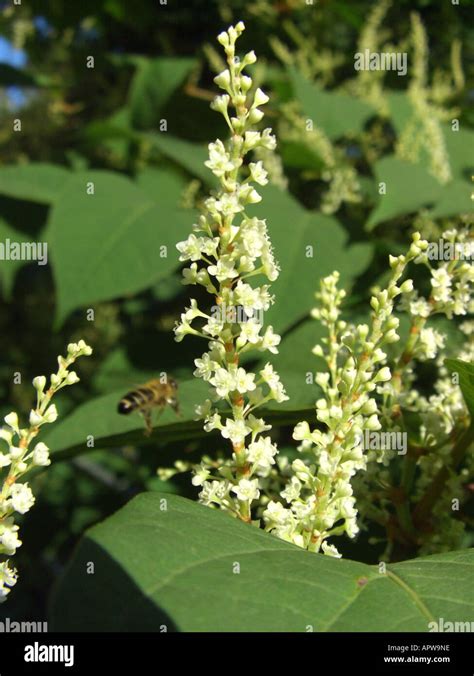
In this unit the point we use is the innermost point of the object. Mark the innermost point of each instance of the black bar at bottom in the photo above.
(136, 653)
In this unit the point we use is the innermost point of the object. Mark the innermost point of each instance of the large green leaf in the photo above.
(9, 268)
(408, 188)
(295, 232)
(454, 199)
(465, 373)
(459, 145)
(39, 182)
(189, 155)
(108, 244)
(163, 561)
(335, 113)
(154, 82)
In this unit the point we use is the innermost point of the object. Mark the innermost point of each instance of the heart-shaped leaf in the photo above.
(166, 563)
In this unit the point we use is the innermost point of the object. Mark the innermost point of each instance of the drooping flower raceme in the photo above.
(226, 250)
(18, 456)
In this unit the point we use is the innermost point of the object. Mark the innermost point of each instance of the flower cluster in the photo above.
(423, 130)
(320, 493)
(20, 456)
(341, 177)
(227, 248)
(367, 385)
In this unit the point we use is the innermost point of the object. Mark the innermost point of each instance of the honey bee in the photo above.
(144, 398)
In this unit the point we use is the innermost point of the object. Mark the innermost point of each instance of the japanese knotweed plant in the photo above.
(227, 249)
(21, 456)
(368, 387)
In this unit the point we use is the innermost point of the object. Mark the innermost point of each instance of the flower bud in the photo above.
(223, 80)
(16, 452)
(36, 418)
(260, 98)
(12, 420)
(383, 375)
(72, 378)
(39, 383)
(407, 286)
(51, 414)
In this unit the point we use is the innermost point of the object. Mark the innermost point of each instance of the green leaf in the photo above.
(401, 110)
(163, 560)
(409, 187)
(459, 145)
(9, 268)
(293, 231)
(154, 82)
(109, 244)
(454, 199)
(300, 156)
(465, 372)
(39, 182)
(335, 113)
(190, 156)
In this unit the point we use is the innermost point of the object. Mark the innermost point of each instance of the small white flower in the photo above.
(268, 140)
(213, 491)
(8, 578)
(276, 513)
(201, 475)
(223, 270)
(205, 367)
(292, 490)
(41, 455)
(257, 425)
(249, 333)
(251, 140)
(190, 249)
(441, 283)
(430, 341)
(22, 499)
(262, 454)
(244, 382)
(203, 410)
(235, 430)
(219, 159)
(330, 550)
(246, 490)
(258, 173)
(228, 204)
(213, 422)
(9, 537)
(223, 381)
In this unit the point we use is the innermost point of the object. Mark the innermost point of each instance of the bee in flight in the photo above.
(150, 395)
